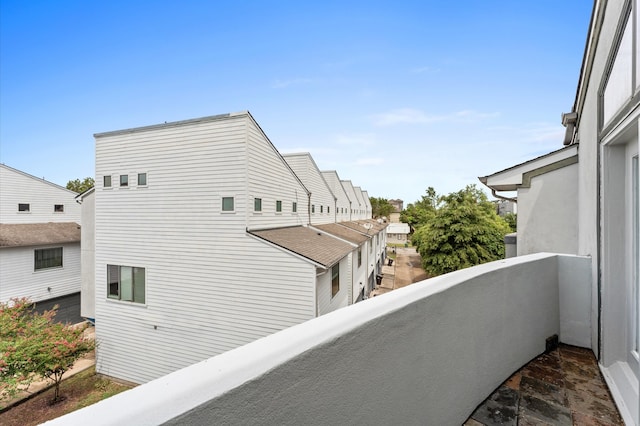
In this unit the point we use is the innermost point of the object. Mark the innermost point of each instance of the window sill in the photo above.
(125, 302)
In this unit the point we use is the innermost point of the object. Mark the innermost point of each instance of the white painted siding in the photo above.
(17, 187)
(210, 287)
(322, 199)
(271, 179)
(327, 303)
(343, 205)
(355, 204)
(19, 279)
(88, 256)
(362, 212)
(368, 206)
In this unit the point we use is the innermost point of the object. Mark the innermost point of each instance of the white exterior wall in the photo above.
(17, 187)
(327, 303)
(19, 279)
(271, 179)
(355, 204)
(368, 206)
(359, 274)
(362, 212)
(321, 196)
(204, 293)
(547, 218)
(343, 204)
(88, 257)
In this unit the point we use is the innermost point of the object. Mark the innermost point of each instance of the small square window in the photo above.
(58, 208)
(278, 206)
(294, 207)
(124, 180)
(227, 204)
(24, 207)
(106, 181)
(142, 179)
(257, 204)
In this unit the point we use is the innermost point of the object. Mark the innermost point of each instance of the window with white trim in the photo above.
(335, 279)
(142, 179)
(24, 207)
(58, 208)
(106, 181)
(257, 204)
(47, 258)
(124, 180)
(294, 207)
(227, 204)
(279, 206)
(126, 283)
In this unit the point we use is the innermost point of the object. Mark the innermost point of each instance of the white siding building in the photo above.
(343, 204)
(202, 244)
(39, 242)
(323, 201)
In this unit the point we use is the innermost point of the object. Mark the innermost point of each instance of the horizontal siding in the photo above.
(355, 204)
(306, 169)
(326, 303)
(271, 179)
(195, 311)
(18, 278)
(18, 188)
(209, 286)
(342, 202)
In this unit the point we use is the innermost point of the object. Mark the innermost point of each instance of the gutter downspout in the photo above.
(501, 197)
(309, 208)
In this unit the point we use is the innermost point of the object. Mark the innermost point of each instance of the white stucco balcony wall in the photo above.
(428, 353)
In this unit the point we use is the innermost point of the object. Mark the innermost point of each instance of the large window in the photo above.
(126, 283)
(47, 258)
(335, 279)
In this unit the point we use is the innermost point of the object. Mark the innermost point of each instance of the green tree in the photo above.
(381, 207)
(512, 221)
(464, 231)
(32, 345)
(421, 212)
(79, 186)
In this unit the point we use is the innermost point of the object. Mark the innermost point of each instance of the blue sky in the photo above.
(394, 96)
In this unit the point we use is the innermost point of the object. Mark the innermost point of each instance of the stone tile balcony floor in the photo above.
(562, 387)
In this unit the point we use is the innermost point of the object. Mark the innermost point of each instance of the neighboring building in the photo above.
(584, 198)
(203, 244)
(39, 243)
(323, 202)
(343, 204)
(547, 189)
(398, 204)
(398, 233)
(354, 211)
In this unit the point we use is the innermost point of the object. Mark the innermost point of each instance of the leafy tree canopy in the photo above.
(32, 345)
(381, 207)
(420, 213)
(464, 230)
(512, 221)
(79, 186)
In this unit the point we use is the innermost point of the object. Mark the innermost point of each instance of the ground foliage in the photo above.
(458, 230)
(32, 345)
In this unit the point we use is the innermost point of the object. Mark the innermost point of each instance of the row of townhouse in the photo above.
(39, 243)
(201, 237)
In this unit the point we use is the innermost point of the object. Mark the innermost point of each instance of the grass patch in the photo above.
(79, 391)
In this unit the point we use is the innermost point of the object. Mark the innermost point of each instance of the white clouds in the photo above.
(415, 116)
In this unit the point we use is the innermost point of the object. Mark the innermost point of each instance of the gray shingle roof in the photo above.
(342, 232)
(36, 234)
(366, 226)
(315, 246)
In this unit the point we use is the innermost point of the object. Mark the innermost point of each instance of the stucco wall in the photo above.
(547, 213)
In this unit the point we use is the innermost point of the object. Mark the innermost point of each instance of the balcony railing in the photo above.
(428, 353)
